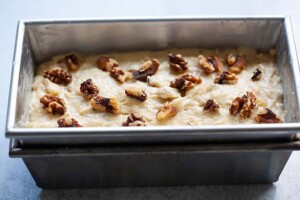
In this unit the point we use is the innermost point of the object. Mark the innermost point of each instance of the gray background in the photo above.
(15, 180)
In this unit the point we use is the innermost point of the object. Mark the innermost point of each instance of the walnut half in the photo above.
(185, 82)
(211, 106)
(58, 76)
(136, 94)
(177, 62)
(68, 122)
(106, 64)
(243, 105)
(88, 89)
(226, 77)
(73, 62)
(104, 104)
(53, 104)
(267, 116)
(210, 64)
(147, 69)
(236, 63)
(135, 119)
(165, 112)
(119, 74)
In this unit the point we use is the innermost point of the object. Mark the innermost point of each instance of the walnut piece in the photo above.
(236, 63)
(135, 119)
(226, 77)
(119, 74)
(210, 64)
(185, 82)
(58, 76)
(88, 89)
(72, 62)
(147, 69)
(53, 104)
(136, 94)
(257, 74)
(267, 116)
(68, 122)
(165, 112)
(243, 105)
(211, 106)
(106, 64)
(104, 104)
(177, 62)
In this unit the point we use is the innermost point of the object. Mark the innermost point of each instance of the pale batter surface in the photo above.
(267, 90)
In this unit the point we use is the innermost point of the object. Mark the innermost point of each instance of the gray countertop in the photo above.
(15, 180)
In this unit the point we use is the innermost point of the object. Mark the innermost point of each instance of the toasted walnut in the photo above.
(177, 62)
(211, 106)
(73, 62)
(53, 104)
(266, 116)
(147, 69)
(226, 77)
(243, 105)
(236, 63)
(166, 112)
(58, 76)
(119, 74)
(185, 82)
(210, 64)
(68, 122)
(136, 94)
(88, 89)
(135, 119)
(257, 74)
(106, 64)
(103, 104)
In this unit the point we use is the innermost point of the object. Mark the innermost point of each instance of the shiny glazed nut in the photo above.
(88, 89)
(165, 112)
(72, 62)
(236, 63)
(68, 122)
(226, 77)
(185, 82)
(136, 94)
(210, 64)
(103, 104)
(135, 119)
(147, 69)
(58, 76)
(53, 104)
(211, 106)
(119, 74)
(243, 105)
(266, 116)
(177, 62)
(257, 74)
(106, 64)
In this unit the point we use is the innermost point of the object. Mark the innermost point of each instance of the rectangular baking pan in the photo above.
(163, 165)
(37, 41)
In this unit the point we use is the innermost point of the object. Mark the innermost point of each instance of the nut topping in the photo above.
(136, 94)
(266, 116)
(210, 64)
(177, 62)
(58, 76)
(88, 89)
(211, 106)
(185, 82)
(226, 77)
(106, 64)
(53, 104)
(135, 119)
(166, 112)
(257, 74)
(103, 104)
(147, 69)
(119, 74)
(68, 122)
(243, 105)
(236, 63)
(72, 62)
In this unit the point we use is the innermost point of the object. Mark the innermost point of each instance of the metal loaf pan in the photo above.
(38, 41)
